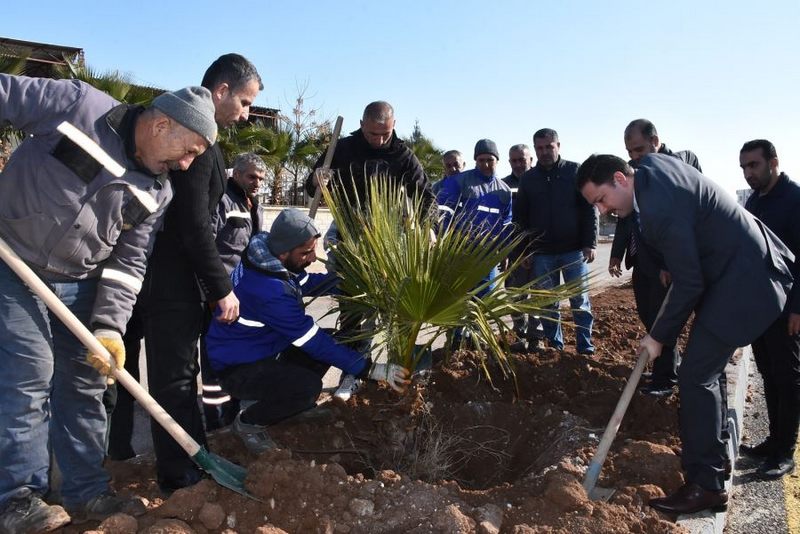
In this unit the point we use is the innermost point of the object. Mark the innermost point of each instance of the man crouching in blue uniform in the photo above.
(275, 355)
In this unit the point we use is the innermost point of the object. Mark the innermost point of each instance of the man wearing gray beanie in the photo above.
(186, 276)
(92, 185)
(276, 354)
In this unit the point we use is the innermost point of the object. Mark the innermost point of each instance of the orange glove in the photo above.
(112, 341)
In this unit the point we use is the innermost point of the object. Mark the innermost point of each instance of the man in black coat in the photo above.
(726, 266)
(641, 138)
(776, 201)
(372, 150)
(185, 275)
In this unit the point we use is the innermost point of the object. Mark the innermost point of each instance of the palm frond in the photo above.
(408, 273)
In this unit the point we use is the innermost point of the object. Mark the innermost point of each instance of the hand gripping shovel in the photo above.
(593, 473)
(326, 164)
(223, 471)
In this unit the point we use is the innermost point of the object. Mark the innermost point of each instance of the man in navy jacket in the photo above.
(275, 354)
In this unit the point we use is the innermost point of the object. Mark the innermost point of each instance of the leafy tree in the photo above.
(429, 156)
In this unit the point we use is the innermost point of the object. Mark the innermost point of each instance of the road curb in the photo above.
(738, 375)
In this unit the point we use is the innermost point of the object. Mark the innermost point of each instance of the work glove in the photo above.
(395, 375)
(112, 341)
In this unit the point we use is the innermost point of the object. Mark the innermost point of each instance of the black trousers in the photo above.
(282, 387)
(777, 356)
(649, 294)
(703, 408)
(119, 403)
(171, 331)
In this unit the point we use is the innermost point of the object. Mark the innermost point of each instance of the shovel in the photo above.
(326, 164)
(593, 473)
(223, 471)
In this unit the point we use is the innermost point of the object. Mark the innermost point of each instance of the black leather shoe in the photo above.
(775, 468)
(690, 499)
(657, 390)
(762, 450)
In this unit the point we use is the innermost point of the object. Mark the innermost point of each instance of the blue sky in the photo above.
(710, 75)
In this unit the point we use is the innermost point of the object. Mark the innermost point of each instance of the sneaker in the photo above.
(104, 505)
(313, 414)
(189, 477)
(31, 514)
(255, 437)
(774, 468)
(347, 387)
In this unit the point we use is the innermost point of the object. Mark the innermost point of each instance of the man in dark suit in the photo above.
(185, 276)
(641, 139)
(726, 267)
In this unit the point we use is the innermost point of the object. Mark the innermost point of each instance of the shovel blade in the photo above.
(601, 494)
(224, 472)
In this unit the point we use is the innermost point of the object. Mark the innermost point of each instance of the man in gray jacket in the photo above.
(239, 217)
(86, 228)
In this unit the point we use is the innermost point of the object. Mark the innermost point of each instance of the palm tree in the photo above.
(411, 276)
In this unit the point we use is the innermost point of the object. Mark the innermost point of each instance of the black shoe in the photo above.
(774, 468)
(657, 390)
(690, 499)
(31, 514)
(120, 455)
(518, 346)
(762, 450)
(536, 345)
(190, 477)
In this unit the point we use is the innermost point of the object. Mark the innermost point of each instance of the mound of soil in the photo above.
(458, 454)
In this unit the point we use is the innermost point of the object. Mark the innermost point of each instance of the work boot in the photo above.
(348, 387)
(31, 514)
(255, 437)
(104, 505)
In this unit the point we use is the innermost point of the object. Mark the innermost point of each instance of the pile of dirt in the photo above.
(457, 454)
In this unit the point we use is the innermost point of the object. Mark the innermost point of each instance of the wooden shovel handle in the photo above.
(593, 473)
(326, 164)
(90, 342)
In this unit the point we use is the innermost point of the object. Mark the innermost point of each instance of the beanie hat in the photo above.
(486, 146)
(291, 229)
(191, 107)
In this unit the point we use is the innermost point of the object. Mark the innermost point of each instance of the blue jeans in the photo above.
(572, 267)
(50, 396)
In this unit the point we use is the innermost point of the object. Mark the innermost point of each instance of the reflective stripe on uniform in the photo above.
(299, 342)
(249, 322)
(303, 280)
(446, 208)
(237, 214)
(488, 209)
(125, 279)
(216, 401)
(145, 198)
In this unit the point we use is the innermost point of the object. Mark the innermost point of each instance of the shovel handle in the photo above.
(326, 164)
(593, 473)
(90, 342)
